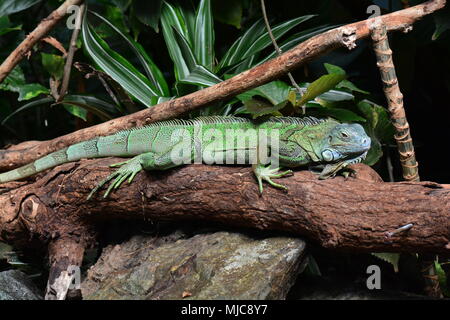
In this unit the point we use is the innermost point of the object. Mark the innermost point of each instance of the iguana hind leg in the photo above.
(128, 169)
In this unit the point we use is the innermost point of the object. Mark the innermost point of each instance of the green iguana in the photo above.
(289, 142)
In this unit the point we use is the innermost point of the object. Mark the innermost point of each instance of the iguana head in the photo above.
(345, 144)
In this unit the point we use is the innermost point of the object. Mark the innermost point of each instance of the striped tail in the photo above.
(86, 149)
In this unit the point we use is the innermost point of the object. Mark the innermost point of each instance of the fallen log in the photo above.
(354, 214)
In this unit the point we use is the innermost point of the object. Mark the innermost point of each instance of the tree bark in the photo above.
(343, 36)
(351, 214)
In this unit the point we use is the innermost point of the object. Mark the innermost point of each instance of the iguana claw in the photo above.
(128, 170)
(267, 174)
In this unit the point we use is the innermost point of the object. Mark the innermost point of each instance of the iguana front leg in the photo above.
(268, 173)
(131, 167)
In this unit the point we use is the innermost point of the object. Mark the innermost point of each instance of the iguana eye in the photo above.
(344, 135)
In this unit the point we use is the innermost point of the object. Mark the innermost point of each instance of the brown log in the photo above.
(343, 36)
(351, 214)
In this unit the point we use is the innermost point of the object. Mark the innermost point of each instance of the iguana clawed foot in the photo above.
(268, 173)
(128, 170)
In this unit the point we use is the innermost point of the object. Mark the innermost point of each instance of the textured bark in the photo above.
(394, 98)
(343, 36)
(348, 214)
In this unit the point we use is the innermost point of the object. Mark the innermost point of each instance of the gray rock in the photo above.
(15, 285)
(220, 265)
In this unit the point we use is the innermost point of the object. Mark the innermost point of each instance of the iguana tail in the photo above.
(86, 149)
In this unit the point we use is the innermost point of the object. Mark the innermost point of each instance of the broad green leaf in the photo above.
(229, 12)
(378, 127)
(331, 68)
(8, 7)
(378, 119)
(148, 12)
(204, 35)
(104, 110)
(29, 105)
(15, 82)
(153, 73)
(5, 26)
(31, 90)
(344, 83)
(275, 91)
(117, 67)
(256, 39)
(196, 73)
(172, 19)
(278, 31)
(76, 111)
(54, 64)
(237, 49)
(321, 85)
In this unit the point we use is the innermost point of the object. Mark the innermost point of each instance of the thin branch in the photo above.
(72, 49)
(279, 51)
(36, 35)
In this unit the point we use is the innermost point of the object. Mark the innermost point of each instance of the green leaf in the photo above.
(54, 64)
(229, 12)
(15, 82)
(256, 39)
(332, 69)
(76, 111)
(258, 108)
(204, 35)
(117, 67)
(8, 7)
(296, 39)
(391, 258)
(152, 71)
(442, 277)
(378, 127)
(31, 90)
(442, 21)
(340, 114)
(321, 85)
(195, 74)
(5, 26)
(104, 110)
(179, 33)
(275, 91)
(29, 105)
(122, 4)
(148, 12)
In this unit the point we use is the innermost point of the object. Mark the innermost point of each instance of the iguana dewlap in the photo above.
(283, 141)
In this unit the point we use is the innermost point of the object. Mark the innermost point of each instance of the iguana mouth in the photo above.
(358, 159)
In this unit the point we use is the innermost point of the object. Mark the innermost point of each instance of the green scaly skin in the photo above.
(323, 143)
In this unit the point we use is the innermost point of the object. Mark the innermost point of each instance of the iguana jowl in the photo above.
(301, 141)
